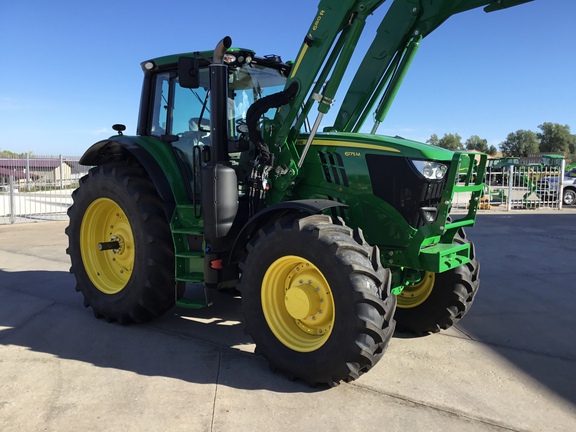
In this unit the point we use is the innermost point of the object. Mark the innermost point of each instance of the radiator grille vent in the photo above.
(333, 168)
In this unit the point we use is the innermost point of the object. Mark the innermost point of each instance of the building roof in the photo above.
(32, 163)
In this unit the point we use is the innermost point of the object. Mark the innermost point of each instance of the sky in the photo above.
(70, 69)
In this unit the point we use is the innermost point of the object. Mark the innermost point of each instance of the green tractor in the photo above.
(334, 238)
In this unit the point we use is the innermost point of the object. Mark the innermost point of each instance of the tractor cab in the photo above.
(177, 110)
(176, 107)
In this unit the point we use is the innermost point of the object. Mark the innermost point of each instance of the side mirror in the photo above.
(188, 72)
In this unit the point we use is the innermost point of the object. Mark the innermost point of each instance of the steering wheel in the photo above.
(241, 126)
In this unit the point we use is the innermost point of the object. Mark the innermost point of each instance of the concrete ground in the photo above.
(510, 365)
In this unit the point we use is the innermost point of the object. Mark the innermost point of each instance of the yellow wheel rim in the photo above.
(414, 295)
(297, 303)
(109, 270)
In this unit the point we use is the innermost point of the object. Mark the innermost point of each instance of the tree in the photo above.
(555, 138)
(520, 143)
(448, 141)
(12, 155)
(433, 140)
(476, 143)
(480, 144)
(8, 154)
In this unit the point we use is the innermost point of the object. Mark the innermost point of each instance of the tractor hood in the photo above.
(366, 142)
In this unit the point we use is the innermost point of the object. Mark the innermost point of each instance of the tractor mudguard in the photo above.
(156, 160)
(275, 212)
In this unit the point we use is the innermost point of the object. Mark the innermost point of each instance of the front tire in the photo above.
(316, 300)
(117, 206)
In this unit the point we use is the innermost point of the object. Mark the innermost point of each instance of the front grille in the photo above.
(333, 167)
(396, 181)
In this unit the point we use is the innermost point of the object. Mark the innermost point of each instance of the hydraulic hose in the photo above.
(257, 109)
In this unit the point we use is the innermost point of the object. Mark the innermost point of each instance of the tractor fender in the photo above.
(121, 148)
(273, 212)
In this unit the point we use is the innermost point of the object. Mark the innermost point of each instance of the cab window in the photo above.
(180, 111)
(158, 122)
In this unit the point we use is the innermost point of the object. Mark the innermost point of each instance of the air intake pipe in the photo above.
(223, 45)
(219, 181)
(219, 102)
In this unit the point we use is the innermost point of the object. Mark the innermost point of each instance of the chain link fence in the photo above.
(36, 188)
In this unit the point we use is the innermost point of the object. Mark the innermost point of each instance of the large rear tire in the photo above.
(116, 206)
(439, 300)
(316, 299)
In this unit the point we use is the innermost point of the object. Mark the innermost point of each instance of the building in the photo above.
(48, 171)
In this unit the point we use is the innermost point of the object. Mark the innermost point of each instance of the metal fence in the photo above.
(38, 187)
(513, 187)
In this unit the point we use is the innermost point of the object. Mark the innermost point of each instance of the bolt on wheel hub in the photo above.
(107, 245)
(414, 295)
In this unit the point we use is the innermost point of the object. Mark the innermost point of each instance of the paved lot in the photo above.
(510, 365)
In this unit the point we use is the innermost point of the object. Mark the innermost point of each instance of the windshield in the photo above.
(248, 84)
(190, 111)
(183, 114)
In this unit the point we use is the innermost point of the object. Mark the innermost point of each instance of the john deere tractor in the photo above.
(334, 237)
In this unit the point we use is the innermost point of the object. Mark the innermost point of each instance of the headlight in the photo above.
(431, 170)
(229, 58)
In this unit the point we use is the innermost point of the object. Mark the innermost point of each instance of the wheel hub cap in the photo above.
(302, 301)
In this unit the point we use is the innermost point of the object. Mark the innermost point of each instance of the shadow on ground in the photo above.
(40, 311)
(525, 312)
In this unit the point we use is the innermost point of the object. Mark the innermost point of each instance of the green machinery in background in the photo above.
(334, 237)
(508, 173)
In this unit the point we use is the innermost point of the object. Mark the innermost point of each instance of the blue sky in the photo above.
(71, 69)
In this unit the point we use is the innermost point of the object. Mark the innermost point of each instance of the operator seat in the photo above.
(199, 131)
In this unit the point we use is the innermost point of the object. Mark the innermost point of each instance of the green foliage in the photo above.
(433, 140)
(454, 142)
(476, 143)
(555, 138)
(520, 143)
(480, 144)
(448, 141)
(12, 155)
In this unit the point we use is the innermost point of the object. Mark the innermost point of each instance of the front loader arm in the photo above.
(327, 47)
(391, 53)
(325, 55)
